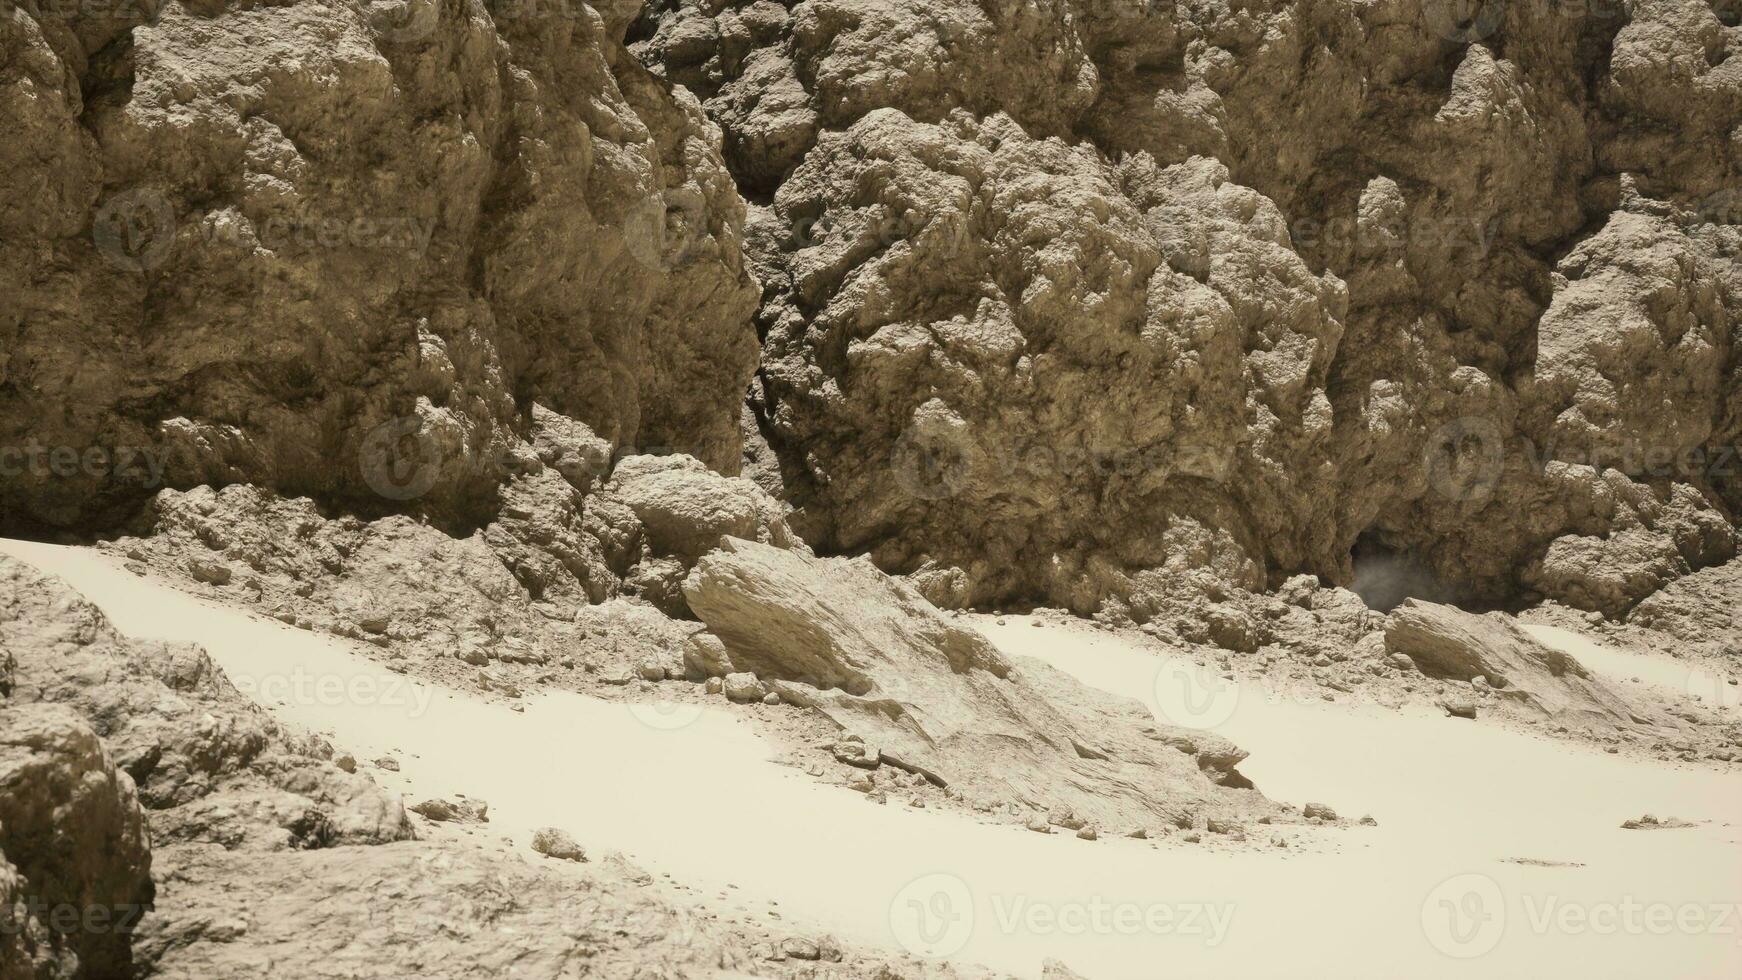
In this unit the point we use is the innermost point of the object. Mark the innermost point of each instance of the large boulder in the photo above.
(685, 508)
(1447, 642)
(74, 850)
(930, 696)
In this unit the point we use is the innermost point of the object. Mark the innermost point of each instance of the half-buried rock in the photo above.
(1444, 641)
(556, 843)
(872, 655)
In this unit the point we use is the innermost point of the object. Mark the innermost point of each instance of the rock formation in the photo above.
(75, 861)
(1058, 294)
(153, 822)
(1492, 652)
(914, 691)
(631, 342)
(1056, 298)
(341, 249)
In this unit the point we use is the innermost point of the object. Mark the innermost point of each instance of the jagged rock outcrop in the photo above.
(1700, 609)
(1055, 293)
(340, 249)
(923, 694)
(228, 857)
(75, 855)
(554, 563)
(1052, 294)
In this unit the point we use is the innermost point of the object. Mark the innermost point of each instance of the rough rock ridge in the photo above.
(1058, 295)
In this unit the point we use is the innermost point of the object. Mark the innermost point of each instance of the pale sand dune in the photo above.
(1621, 667)
(697, 800)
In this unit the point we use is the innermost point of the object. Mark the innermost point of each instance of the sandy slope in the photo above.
(1427, 893)
(1623, 667)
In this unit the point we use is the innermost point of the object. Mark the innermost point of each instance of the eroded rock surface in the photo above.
(75, 855)
(250, 848)
(341, 249)
(1054, 297)
(919, 693)
(1493, 652)
(1059, 294)
(209, 764)
(435, 910)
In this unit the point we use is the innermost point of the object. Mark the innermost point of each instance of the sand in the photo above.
(1433, 891)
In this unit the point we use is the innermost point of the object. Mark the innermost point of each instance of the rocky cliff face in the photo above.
(1056, 299)
(1057, 293)
(339, 250)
